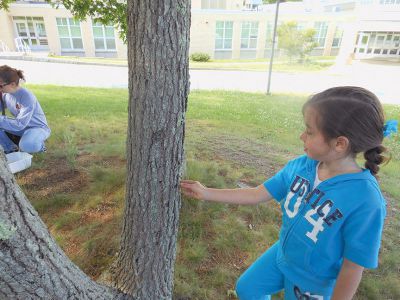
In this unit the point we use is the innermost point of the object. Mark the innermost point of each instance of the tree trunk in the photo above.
(158, 42)
(32, 266)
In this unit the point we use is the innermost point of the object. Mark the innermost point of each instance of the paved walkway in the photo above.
(382, 79)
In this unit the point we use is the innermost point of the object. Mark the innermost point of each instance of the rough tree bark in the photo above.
(32, 266)
(158, 42)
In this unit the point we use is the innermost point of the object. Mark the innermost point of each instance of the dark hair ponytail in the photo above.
(20, 74)
(373, 159)
(9, 75)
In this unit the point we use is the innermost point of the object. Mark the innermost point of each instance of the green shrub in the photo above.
(199, 56)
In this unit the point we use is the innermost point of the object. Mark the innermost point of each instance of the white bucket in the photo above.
(18, 161)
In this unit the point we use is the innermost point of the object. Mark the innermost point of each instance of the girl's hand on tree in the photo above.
(193, 189)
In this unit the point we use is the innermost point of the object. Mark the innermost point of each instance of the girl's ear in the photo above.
(342, 144)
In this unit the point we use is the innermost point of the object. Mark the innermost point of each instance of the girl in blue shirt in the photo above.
(27, 130)
(332, 210)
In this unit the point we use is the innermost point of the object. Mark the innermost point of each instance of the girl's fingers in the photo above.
(189, 192)
(189, 187)
(188, 181)
(186, 189)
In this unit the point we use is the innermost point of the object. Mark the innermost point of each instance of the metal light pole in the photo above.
(273, 48)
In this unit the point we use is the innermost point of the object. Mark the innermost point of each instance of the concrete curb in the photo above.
(57, 60)
(70, 61)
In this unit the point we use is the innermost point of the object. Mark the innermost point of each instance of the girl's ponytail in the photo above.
(374, 158)
(20, 74)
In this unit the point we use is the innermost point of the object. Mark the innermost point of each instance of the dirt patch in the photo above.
(248, 153)
(103, 212)
(72, 246)
(56, 177)
(87, 159)
(236, 261)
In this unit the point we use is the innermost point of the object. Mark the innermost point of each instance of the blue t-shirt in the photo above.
(342, 217)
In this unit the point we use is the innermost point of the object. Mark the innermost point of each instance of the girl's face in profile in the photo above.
(7, 87)
(315, 144)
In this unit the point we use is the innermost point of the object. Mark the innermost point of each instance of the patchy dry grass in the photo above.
(232, 139)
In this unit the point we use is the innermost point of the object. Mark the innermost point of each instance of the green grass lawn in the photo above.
(315, 63)
(262, 65)
(232, 139)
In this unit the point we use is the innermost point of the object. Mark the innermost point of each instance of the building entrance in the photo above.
(31, 31)
(377, 44)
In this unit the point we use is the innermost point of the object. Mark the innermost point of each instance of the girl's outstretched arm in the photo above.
(247, 196)
(348, 280)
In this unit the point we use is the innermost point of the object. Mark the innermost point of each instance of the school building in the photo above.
(225, 29)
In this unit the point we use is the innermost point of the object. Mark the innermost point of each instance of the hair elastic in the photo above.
(390, 127)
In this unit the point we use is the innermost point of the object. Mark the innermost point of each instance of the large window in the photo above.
(269, 35)
(321, 28)
(31, 31)
(249, 35)
(213, 4)
(104, 38)
(377, 44)
(223, 35)
(337, 38)
(69, 31)
(389, 2)
(366, 2)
